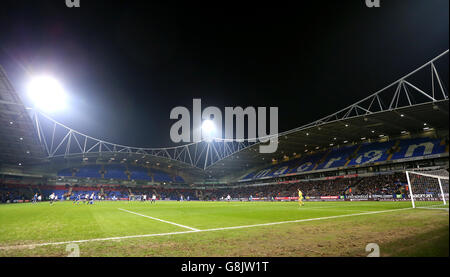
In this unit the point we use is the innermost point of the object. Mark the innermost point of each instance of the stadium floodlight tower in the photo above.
(47, 94)
(428, 189)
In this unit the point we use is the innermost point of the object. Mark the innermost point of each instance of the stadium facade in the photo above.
(402, 126)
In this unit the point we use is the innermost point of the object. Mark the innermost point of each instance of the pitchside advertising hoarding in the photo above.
(375, 197)
(329, 197)
(366, 197)
(430, 196)
(311, 198)
(336, 197)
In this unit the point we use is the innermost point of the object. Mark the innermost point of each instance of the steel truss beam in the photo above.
(62, 141)
(59, 140)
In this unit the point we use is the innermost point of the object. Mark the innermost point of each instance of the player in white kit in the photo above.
(52, 198)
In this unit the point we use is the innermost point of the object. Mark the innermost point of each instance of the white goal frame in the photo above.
(410, 187)
(137, 197)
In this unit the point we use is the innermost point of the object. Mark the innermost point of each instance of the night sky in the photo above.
(126, 64)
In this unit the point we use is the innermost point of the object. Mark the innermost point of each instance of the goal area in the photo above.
(428, 189)
(137, 197)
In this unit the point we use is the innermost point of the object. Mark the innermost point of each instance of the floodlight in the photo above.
(47, 94)
(208, 127)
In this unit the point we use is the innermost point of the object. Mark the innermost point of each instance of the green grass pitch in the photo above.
(221, 229)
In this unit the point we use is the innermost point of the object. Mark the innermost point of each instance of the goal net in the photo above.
(428, 189)
(138, 197)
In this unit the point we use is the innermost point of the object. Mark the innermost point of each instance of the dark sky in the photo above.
(126, 64)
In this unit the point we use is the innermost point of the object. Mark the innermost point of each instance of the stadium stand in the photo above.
(337, 157)
(67, 172)
(386, 184)
(160, 176)
(121, 172)
(168, 193)
(179, 179)
(372, 152)
(418, 148)
(139, 173)
(92, 171)
(115, 172)
(355, 155)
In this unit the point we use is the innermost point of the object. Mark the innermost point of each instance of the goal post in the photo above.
(428, 189)
(137, 197)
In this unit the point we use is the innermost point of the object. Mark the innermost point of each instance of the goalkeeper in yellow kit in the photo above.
(300, 198)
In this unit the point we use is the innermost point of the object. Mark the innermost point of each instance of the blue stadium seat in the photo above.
(115, 172)
(159, 176)
(338, 157)
(91, 171)
(372, 152)
(139, 173)
(179, 179)
(354, 155)
(67, 172)
(307, 163)
(419, 148)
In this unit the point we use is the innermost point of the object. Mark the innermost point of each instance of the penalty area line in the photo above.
(165, 221)
(197, 231)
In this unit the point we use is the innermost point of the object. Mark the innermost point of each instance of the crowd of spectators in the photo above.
(169, 193)
(11, 192)
(380, 184)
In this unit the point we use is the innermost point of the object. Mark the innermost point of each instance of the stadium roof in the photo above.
(18, 139)
(414, 120)
(414, 104)
(407, 121)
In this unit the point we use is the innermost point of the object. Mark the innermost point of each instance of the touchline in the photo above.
(207, 124)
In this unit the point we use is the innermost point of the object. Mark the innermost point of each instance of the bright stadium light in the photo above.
(47, 94)
(208, 129)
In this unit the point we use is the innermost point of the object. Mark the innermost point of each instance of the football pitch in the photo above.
(222, 229)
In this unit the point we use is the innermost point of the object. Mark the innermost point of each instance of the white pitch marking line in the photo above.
(187, 227)
(304, 220)
(431, 208)
(91, 240)
(196, 231)
(320, 209)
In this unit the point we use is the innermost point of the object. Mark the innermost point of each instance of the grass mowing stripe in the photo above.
(92, 240)
(198, 231)
(330, 207)
(303, 220)
(187, 227)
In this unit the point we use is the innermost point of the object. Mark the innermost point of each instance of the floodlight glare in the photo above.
(47, 94)
(208, 128)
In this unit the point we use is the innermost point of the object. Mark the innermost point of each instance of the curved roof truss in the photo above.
(59, 140)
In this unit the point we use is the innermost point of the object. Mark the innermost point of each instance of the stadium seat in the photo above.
(354, 155)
